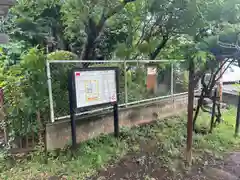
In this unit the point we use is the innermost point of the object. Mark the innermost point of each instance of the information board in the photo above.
(90, 87)
(95, 87)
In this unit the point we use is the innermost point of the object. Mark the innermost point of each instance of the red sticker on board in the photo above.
(77, 73)
(113, 98)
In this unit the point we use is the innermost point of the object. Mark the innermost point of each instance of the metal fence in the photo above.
(171, 80)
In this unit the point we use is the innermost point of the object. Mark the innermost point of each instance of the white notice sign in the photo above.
(95, 87)
(151, 71)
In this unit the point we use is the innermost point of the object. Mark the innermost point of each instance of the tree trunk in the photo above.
(158, 49)
(94, 30)
(40, 136)
(190, 112)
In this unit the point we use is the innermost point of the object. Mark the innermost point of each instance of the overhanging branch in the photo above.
(94, 30)
(160, 46)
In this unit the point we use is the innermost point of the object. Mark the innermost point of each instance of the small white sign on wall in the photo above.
(151, 70)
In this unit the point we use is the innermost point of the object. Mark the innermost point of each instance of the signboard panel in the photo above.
(95, 87)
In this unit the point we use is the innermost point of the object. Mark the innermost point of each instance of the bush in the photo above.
(62, 55)
(59, 76)
(26, 93)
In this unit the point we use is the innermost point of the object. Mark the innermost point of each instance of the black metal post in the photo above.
(115, 107)
(199, 105)
(73, 129)
(213, 110)
(116, 120)
(72, 111)
(238, 117)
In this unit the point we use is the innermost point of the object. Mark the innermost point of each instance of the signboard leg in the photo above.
(116, 120)
(72, 112)
(73, 130)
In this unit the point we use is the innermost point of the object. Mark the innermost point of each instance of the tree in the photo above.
(144, 27)
(37, 23)
(91, 17)
(156, 23)
(213, 17)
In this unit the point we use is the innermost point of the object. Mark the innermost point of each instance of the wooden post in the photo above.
(190, 112)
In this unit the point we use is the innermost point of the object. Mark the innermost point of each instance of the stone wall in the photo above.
(231, 99)
(58, 134)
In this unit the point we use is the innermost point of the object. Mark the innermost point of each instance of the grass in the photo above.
(222, 137)
(168, 138)
(91, 156)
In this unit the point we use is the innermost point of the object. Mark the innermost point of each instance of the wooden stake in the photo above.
(190, 113)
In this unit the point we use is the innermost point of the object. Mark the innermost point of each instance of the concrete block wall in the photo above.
(231, 99)
(58, 134)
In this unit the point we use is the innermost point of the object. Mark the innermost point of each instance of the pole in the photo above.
(172, 74)
(125, 84)
(220, 83)
(116, 120)
(115, 107)
(213, 110)
(190, 112)
(238, 117)
(72, 111)
(49, 81)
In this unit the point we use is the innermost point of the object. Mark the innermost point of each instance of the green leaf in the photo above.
(144, 48)
(122, 50)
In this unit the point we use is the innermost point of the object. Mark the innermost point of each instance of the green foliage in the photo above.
(25, 93)
(59, 73)
(222, 137)
(137, 83)
(62, 55)
(36, 22)
(140, 27)
(10, 53)
(185, 81)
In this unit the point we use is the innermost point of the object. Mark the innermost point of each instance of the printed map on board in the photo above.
(91, 90)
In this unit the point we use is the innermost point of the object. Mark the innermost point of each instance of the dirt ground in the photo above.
(145, 166)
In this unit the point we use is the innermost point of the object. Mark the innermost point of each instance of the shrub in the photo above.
(59, 75)
(62, 55)
(26, 93)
